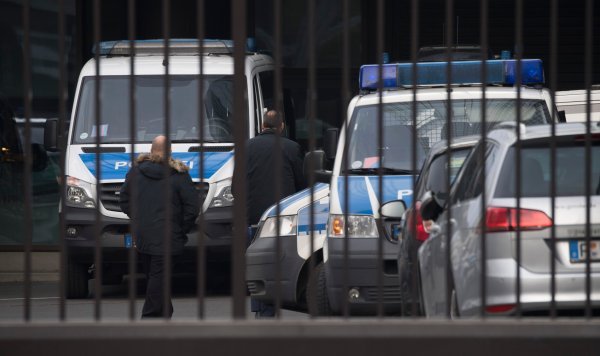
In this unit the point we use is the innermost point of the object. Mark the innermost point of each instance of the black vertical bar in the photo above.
(449, 28)
(62, 113)
(166, 21)
(553, 80)
(97, 231)
(278, 158)
(201, 251)
(132, 136)
(414, 46)
(589, 41)
(380, 143)
(518, 81)
(311, 130)
(484, 56)
(27, 159)
(345, 100)
(241, 134)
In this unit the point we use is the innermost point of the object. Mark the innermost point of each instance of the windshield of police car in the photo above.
(150, 109)
(431, 127)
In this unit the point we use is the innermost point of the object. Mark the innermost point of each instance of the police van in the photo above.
(353, 193)
(114, 152)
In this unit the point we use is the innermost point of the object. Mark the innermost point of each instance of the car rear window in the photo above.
(536, 172)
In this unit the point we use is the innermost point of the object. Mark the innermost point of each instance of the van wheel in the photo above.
(77, 280)
(316, 293)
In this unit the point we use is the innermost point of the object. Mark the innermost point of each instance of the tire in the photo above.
(77, 280)
(316, 293)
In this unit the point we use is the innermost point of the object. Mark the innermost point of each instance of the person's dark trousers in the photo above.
(154, 270)
(260, 309)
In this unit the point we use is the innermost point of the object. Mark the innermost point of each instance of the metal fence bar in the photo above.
(553, 80)
(312, 87)
(131, 253)
(589, 18)
(201, 250)
(167, 265)
(97, 231)
(62, 146)
(345, 99)
(518, 81)
(484, 55)
(27, 159)
(449, 132)
(277, 85)
(414, 47)
(241, 133)
(380, 143)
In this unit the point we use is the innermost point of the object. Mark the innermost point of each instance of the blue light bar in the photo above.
(156, 47)
(502, 72)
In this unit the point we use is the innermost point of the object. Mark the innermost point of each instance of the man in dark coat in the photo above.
(261, 178)
(150, 177)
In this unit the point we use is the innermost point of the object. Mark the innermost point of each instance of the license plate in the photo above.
(578, 251)
(128, 241)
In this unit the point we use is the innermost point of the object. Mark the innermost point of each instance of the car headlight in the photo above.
(223, 197)
(79, 193)
(287, 226)
(358, 226)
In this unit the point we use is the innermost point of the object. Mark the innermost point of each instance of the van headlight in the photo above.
(287, 226)
(358, 226)
(79, 193)
(223, 197)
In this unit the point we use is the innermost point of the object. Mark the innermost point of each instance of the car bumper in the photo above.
(217, 237)
(362, 275)
(535, 293)
(261, 270)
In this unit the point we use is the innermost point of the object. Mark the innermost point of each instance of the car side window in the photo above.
(470, 184)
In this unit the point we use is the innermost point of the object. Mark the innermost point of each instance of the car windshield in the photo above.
(432, 126)
(536, 172)
(150, 109)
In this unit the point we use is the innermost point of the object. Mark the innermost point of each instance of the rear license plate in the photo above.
(128, 241)
(578, 250)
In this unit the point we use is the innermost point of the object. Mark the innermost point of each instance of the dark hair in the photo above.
(272, 120)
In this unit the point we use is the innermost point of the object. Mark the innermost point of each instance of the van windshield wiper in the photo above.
(374, 171)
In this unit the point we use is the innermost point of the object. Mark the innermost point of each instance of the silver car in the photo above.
(508, 225)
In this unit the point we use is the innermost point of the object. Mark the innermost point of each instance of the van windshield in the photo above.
(150, 109)
(432, 126)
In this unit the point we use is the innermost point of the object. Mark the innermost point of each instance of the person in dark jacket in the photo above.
(261, 179)
(149, 175)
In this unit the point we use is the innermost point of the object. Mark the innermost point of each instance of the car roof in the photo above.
(508, 135)
(455, 144)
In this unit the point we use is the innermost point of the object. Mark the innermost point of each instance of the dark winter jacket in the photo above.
(149, 178)
(261, 177)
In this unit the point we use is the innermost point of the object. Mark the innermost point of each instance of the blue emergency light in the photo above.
(501, 72)
(156, 46)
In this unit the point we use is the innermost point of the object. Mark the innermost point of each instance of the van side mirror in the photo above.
(316, 161)
(330, 143)
(562, 116)
(393, 209)
(51, 135)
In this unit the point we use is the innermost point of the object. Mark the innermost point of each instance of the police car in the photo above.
(114, 153)
(354, 192)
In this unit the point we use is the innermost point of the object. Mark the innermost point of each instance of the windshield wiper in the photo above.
(384, 170)
(189, 140)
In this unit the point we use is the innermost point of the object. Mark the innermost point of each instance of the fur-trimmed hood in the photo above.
(157, 171)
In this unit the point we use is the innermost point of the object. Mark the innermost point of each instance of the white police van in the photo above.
(81, 173)
(366, 228)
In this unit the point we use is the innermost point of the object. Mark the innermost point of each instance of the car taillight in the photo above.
(505, 219)
(502, 308)
(415, 220)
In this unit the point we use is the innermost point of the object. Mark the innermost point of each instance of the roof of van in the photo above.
(178, 65)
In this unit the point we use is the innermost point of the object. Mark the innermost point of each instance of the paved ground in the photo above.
(115, 305)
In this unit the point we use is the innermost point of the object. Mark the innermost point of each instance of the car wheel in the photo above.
(77, 280)
(316, 293)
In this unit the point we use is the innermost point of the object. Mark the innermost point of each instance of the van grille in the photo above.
(109, 194)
